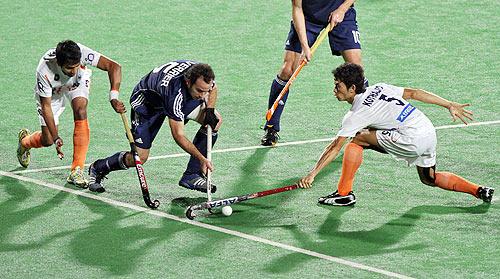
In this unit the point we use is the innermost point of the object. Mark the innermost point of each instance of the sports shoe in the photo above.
(95, 180)
(338, 200)
(485, 193)
(195, 182)
(23, 153)
(76, 178)
(270, 138)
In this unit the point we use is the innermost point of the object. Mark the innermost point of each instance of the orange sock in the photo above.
(353, 156)
(32, 141)
(81, 140)
(453, 182)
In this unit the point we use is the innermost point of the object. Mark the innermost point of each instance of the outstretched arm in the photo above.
(328, 155)
(456, 110)
(115, 77)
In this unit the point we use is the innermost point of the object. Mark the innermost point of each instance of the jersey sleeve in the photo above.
(395, 91)
(42, 87)
(174, 105)
(89, 56)
(352, 123)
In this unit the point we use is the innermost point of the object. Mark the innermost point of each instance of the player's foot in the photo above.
(95, 180)
(195, 182)
(77, 178)
(338, 200)
(270, 138)
(23, 153)
(485, 193)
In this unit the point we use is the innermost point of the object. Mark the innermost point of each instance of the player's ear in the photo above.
(353, 88)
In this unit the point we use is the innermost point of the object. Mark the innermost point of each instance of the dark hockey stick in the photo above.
(218, 203)
(138, 167)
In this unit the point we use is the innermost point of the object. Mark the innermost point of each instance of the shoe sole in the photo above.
(185, 185)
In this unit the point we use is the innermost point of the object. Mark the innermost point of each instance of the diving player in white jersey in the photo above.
(381, 119)
(62, 76)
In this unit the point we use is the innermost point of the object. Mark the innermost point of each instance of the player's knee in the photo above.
(286, 71)
(427, 176)
(80, 113)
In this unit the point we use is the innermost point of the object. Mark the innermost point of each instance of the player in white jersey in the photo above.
(382, 119)
(62, 77)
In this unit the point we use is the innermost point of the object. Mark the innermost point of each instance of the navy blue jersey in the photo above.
(163, 91)
(318, 11)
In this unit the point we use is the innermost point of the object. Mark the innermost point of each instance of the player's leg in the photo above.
(345, 40)
(144, 129)
(290, 62)
(81, 132)
(38, 139)
(452, 182)
(353, 157)
(193, 178)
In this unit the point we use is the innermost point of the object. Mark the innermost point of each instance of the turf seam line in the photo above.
(205, 226)
(252, 147)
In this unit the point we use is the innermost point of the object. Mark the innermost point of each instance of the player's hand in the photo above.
(458, 111)
(306, 181)
(206, 165)
(58, 142)
(118, 106)
(336, 17)
(210, 118)
(306, 54)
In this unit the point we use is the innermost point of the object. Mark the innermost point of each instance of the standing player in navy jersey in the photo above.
(308, 19)
(180, 91)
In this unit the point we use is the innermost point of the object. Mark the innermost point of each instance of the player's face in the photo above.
(342, 92)
(70, 70)
(200, 89)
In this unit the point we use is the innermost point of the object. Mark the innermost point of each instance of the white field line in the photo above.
(254, 147)
(205, 226)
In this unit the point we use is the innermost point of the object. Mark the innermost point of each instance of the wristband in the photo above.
(56, 139)
(113, 95)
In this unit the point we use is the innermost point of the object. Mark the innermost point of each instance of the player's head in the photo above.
(68, 55)
(349, 80)
(199, 80)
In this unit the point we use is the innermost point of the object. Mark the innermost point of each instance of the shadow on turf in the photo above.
(382, 240)
(108, 243)
(15, 215)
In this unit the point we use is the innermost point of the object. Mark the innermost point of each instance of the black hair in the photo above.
(68, 53)
(199, 70)
(350, 74)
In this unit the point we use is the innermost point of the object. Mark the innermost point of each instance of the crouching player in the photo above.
(180, 91)
(395, 127)
(62, 76)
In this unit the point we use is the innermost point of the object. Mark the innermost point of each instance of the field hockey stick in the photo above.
(138, 167)
(209, 158)
(316, 44)
(190, 212)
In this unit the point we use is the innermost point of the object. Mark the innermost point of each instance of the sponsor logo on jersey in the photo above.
(372, 96)
(90, 57)
(407, 110)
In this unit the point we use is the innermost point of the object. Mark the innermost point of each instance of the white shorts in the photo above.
(415, 148)
(59, 100)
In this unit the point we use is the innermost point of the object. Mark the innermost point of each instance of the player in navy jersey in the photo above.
(180, 90)
(308, 19)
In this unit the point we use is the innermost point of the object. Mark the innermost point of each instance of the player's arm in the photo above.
(456, 110)
(177, 130)
(210, 118)
(337, 16)
(115, 77)
(328, 155)
(299, 23)
(48, 116)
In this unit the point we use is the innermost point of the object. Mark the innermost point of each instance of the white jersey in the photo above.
(382, 107)
(51, 80)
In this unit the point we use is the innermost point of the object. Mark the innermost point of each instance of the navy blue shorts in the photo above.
(147, 120)
(343, 37)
